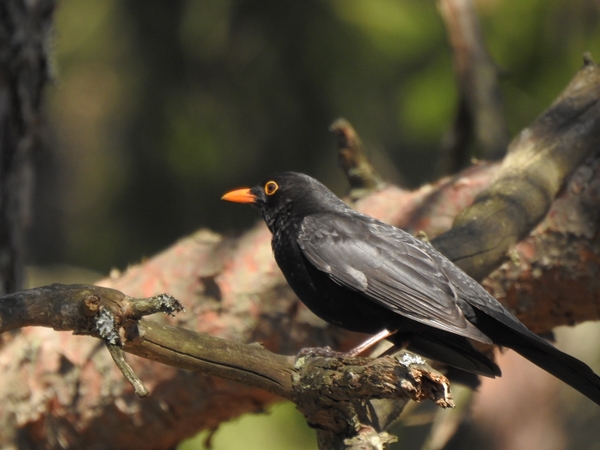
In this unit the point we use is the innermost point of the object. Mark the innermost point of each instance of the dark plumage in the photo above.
(364, 275)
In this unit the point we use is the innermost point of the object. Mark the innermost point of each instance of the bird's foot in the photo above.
(328, 352)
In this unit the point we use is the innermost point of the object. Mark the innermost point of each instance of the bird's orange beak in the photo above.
(240, 196)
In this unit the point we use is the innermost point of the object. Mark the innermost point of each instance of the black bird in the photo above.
(364, 275)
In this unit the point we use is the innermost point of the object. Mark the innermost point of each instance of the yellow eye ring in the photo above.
(271, 187)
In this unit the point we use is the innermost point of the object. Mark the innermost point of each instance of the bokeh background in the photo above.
(157, 108)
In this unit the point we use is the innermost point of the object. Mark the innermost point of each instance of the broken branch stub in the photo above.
(335, 394)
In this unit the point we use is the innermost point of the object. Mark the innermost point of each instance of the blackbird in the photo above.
(367, 276)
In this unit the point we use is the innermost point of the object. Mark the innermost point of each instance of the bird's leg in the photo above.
(327, 352)
(370, 342)
(396, 348)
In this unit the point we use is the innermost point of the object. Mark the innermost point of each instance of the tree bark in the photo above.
(24, 70)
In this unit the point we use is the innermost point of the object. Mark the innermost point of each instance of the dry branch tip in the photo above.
(164, 303)
(118, 357)
(588, 60)
(354, 161)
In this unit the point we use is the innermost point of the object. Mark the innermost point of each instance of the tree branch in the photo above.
(480, 106)
(328, 390)
(354, 161)
(540, 160)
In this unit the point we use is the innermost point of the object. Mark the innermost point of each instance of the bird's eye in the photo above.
(271, 187)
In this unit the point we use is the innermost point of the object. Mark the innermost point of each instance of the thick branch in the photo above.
(540, 159)
(565, 248)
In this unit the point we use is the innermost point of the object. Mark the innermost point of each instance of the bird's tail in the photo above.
(572, 371)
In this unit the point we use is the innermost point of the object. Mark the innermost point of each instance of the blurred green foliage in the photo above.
(281, 428)
(159, 107)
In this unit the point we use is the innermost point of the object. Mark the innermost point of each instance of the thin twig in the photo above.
(119, 358)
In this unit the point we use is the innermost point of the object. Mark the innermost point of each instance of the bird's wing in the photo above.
(388, 266)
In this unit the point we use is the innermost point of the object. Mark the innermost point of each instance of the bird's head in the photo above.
(286, 194)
